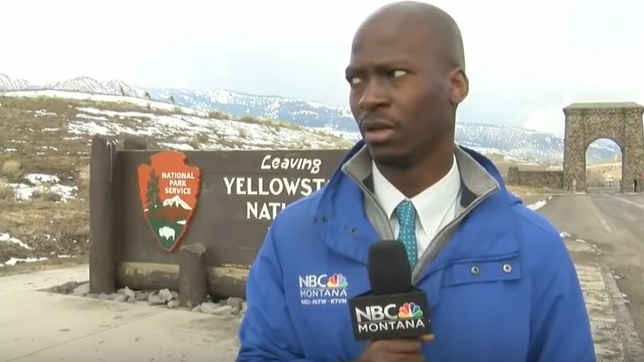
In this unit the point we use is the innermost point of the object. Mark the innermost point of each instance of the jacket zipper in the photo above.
(434, 247)
(372, 197)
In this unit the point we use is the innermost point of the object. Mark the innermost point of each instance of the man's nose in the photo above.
(374, 96)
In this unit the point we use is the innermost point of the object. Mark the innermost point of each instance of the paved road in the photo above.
(36, 326)
(606, 229)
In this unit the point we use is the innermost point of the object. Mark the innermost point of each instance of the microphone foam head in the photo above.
(389, 269)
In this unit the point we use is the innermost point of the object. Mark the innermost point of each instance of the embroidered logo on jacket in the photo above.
(323, 289)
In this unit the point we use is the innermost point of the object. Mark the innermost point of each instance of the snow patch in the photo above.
(43, 112)
(42, 183)
(539, 204)
(40, 178)
(5, 237)
(14, 261)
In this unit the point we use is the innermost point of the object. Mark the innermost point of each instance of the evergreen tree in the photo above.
(152, 195)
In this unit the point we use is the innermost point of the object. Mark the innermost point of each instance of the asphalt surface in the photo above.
(610, 224)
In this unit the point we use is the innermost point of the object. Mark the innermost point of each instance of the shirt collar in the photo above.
(431, 203)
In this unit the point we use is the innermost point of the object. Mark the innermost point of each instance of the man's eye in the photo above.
(354, 80)
(397, 73)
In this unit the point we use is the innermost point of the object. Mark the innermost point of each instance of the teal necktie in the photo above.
(406, 215)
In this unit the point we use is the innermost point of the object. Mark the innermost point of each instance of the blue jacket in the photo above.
(535, 313)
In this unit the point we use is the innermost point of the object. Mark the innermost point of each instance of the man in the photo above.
(499, 280)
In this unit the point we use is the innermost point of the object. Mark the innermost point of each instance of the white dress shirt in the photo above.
(435, 206)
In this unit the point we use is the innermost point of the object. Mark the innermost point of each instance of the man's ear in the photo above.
(460, 86)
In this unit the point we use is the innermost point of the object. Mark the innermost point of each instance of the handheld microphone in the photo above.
(393, 308)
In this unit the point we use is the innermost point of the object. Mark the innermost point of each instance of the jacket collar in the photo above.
(346, 228)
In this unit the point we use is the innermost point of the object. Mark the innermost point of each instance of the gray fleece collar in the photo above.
(475, 179)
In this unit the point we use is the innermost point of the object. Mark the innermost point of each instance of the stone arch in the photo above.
(619, 122)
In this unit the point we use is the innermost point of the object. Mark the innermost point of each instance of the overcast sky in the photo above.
(525, 59)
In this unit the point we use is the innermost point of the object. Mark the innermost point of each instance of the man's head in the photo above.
(407, 77)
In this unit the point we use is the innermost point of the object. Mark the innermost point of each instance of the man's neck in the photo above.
(423, 174)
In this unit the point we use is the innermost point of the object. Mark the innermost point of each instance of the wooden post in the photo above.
(134, 143)
(193, 288)
(102, 262)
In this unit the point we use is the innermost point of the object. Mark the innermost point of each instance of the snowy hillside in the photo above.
(510, 141)
(304, 112)
(170, 125)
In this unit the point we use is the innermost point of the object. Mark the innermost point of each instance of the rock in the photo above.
(140, 296)
(223, 310)
(161, 298)
(235, 302)
(209, 307)
(155, 300)
(67, 287)
(242, 312)
(166, 295)
(81, 290)
(104, 296)
(128, 293)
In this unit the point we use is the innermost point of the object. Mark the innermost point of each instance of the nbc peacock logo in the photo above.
(322, 289)
(337, 281)
(410, 311)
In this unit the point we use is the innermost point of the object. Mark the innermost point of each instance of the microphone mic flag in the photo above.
(393, 308)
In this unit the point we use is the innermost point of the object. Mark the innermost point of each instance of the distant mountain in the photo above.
(304, 112)
(509, 141)
(90, 85)
(8, 83)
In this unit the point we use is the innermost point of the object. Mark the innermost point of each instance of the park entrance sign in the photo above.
(147, 207)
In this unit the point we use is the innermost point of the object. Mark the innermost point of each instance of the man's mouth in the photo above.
(376, 126)
(377, 132)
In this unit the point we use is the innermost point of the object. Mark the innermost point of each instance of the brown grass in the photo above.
(6, 192)
(49, 228)
(270, 122)
(11, 170)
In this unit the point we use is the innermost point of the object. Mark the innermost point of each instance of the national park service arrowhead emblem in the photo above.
(168, 189)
